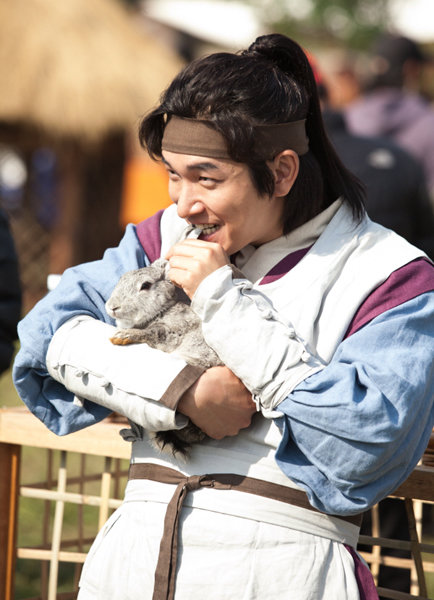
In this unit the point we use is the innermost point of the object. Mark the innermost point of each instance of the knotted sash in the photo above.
(165, 572)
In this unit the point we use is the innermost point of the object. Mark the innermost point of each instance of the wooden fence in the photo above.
(19, 431)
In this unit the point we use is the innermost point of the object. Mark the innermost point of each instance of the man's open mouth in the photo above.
(207, 229)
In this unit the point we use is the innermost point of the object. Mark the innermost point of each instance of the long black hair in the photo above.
(270, 82)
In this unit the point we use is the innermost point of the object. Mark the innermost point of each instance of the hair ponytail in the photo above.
(288, 56)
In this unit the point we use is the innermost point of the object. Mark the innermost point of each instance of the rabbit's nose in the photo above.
(112, 309)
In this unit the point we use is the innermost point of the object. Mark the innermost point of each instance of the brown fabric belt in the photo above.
(164, 585)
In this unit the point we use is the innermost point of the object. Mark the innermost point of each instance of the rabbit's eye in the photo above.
(146, 285)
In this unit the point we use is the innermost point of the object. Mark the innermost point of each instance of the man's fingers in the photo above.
(182, 278)
(185, 263)
(191, 248)
(191, 261)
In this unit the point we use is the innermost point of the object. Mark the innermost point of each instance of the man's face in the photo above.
(219, 197)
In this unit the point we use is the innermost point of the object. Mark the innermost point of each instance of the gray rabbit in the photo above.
(149, 308)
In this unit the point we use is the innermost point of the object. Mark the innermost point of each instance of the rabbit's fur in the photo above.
(149, 308)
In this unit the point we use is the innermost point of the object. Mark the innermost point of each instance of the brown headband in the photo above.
(199, 138)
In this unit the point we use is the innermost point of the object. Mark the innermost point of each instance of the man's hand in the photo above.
(191, 261)
(218, 403)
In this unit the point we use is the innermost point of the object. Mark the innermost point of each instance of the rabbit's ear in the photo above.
(163, 264)
(160, 263)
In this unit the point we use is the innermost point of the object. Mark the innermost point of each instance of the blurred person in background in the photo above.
(10, 293)
(396, 191)
(340, 71)
(391, 105)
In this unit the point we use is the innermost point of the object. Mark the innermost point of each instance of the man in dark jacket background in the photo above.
(10, 293)
(391, 104)
(396, 191)
(397, 194)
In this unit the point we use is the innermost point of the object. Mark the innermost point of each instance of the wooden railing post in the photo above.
(9, 486)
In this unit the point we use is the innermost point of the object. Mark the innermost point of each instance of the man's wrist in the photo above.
(175, 395)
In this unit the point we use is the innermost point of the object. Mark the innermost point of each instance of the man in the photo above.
(396, 192)
(10, 294)
(391, 105)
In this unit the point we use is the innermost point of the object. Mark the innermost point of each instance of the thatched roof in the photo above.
(78, 67)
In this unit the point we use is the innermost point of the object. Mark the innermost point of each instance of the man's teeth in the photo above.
(208, 228)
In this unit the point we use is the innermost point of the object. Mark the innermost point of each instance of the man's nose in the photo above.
(187, 203)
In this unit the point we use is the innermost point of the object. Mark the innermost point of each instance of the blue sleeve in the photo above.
(353, 432)
(82, 290)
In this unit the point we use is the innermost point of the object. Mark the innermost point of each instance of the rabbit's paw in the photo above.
(123, 337)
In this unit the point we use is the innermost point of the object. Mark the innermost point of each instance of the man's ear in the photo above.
(285, 167)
